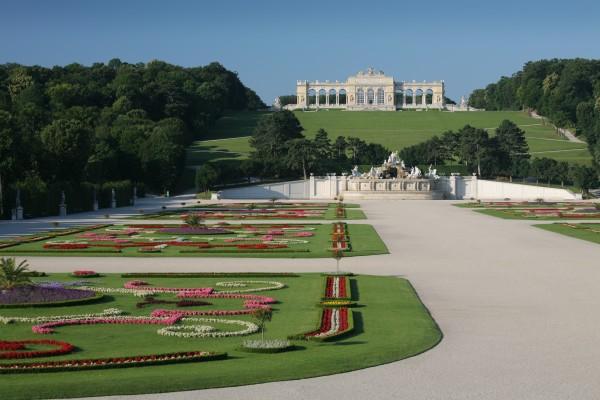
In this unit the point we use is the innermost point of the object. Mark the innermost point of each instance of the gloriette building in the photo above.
(369, 90)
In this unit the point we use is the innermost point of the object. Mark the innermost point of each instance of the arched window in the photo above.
(398, 98)
(419, 96)
(360, 96)
(429, 96)
(408, 96)
(380, 96)
(342, 96)
(370, 96)
(322, 96)
(312, 97)
(332, 94)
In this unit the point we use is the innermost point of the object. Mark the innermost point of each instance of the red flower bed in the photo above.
(14, 348)
(114, 362)
(10, 346)
(85, 273)
(65, 246)
(327, 320)
(329, 291)
(261, 246)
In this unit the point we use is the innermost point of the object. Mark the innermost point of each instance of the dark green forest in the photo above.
(84, 129)
(567, 91)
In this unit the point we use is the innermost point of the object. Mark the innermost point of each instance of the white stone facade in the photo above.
(446, 187)
(369, 90)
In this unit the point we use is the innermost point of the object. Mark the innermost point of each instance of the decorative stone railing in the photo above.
(389, 185)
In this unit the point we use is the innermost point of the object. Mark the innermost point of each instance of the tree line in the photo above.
(63, 127)
(567, 91)
(504, 154)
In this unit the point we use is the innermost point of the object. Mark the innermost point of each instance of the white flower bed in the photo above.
(109, 312)
(336, 287)
(205, 331)
(231, 284)
(272, 286)
(135, 292)
(267, 344)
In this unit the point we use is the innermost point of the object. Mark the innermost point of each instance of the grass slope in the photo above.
(390, 324)
(228, 140)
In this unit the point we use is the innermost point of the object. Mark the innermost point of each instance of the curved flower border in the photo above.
(203, 331)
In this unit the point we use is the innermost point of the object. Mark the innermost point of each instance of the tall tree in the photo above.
(272, 136)
(301, 154)
(69, 145)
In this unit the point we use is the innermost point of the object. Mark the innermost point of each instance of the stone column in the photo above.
(18, 207)
(337, 98)
(312, 186)
(95, 200)
(403, 100)
(134, 199)
(113, 199)
(414, 99)
(62, 207)
(452, 183)
(327, 98)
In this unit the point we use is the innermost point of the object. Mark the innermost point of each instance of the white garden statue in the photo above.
(432, 173)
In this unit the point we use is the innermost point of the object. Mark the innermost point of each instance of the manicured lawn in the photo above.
(390, 324)
(364, 240)
(228, 140)
(266, 211)
(537, 211)
(589, 232)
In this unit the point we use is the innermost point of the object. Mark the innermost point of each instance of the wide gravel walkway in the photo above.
(519, 308)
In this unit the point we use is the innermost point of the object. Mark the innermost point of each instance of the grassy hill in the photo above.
(228, 140)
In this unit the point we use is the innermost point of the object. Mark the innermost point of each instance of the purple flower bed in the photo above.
(194, 231)
(32, 294)
(59, 285)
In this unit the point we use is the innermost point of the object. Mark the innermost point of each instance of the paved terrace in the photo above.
(518, 307)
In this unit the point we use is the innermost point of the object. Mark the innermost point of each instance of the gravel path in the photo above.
(518, 307)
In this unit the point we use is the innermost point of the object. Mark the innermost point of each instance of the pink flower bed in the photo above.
(47, 327)
(145, 285)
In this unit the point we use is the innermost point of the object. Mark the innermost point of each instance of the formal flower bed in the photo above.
(137, 284)
(40, 296)
(18, 349)
(65, 246)
(85, 274)
(224, 238)
(265, 285)
(204, 331)
(112, 362)
(109, 312)
(336, 288)
(179, 303)
(335, 322)
(336, 303)
(339, 237)
(48, 327)
(208, 274)
(266, 346)
(189, 230)
(247, 297)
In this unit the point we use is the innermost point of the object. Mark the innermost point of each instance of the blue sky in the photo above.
(271, 44)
